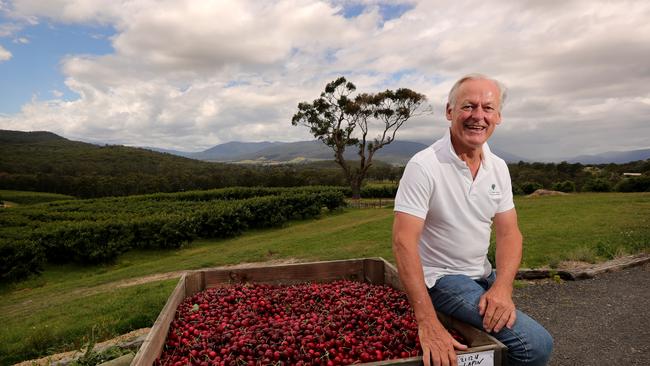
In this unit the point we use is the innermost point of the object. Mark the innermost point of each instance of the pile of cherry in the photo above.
(335, 323)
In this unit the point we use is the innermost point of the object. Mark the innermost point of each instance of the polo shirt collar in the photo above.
(485, 158)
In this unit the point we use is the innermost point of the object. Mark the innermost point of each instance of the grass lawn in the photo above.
(59, 310)
(589, 227)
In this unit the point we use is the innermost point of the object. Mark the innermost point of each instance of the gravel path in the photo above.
(600, 321)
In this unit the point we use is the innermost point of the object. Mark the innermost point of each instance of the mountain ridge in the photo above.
(265, 152)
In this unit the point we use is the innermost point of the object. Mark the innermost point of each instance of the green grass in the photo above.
(590, 227)
(69, 322)
(28, 198)
(58, 310)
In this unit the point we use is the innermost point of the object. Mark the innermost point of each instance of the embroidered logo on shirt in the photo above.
(493, 191)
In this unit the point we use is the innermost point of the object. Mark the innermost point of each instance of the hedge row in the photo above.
(89, 241)
(374, 191)
(29, 198)
(19, 258)
(137, 206)
(231, 193)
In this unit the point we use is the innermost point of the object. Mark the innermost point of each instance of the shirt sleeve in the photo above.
(414, 191)
(507, 202)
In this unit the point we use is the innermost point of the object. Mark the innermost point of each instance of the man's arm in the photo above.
(496, 304)
(437, 344)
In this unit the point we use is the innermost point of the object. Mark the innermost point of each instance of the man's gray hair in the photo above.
(503, 92)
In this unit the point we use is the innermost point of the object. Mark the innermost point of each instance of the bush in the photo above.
(379, 191)
(83, 242)
(19, 259)
(597, 185)
(97, 231)
(530, 187)
(566, 186)
(633, 184)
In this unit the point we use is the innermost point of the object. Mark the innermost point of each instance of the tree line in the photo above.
(526, 178)
(577, 177)
(44, 162)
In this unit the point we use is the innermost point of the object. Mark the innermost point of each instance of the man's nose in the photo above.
(478, 113)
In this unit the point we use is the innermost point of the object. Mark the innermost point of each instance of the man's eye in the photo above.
(466, 108)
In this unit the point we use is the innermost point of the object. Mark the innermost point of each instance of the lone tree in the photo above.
(336, 114)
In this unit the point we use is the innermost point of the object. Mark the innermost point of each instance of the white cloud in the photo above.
(189, 75)
(4, 54)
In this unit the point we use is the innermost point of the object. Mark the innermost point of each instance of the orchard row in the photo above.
(99, 230)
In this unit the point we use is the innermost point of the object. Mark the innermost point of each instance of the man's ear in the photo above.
(448, 112)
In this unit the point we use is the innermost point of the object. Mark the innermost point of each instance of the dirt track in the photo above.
(600, 321)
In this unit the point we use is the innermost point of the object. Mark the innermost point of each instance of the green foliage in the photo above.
(92, 357)
(633, 184)
(565, 186)
(607, 250)
(379, 191)
(61, 322)
(586, 178)
(530, 187)
(99, 230)
(375, 191)
(19, 259)
(597, 185)
(341, 120)
(27, 198)
(45, 162)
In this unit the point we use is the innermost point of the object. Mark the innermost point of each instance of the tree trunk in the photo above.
(356, 188)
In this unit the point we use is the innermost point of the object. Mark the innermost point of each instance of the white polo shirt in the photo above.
(437, 186)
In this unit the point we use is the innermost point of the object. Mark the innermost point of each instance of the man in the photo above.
(450, 196)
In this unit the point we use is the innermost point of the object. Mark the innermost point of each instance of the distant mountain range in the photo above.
(616, 157)
(398, 152)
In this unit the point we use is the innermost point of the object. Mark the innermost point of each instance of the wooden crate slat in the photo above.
(373, 269)
(391, 276)
(288, 274)
(153, 343)
(194, 282)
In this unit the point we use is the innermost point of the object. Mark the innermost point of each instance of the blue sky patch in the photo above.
(35, 66)
(387, 10)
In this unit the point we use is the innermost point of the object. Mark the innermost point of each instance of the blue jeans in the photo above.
(458, 296)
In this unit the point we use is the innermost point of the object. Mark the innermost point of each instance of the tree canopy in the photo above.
(342, 119)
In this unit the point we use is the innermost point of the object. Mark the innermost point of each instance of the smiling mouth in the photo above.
(476, 128)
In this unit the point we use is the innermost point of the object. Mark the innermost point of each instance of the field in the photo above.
(60, 309)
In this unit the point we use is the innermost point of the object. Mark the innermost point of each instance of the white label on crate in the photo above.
(485, 358)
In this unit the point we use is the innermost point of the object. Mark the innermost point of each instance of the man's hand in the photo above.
(497, 308)
(438, 346)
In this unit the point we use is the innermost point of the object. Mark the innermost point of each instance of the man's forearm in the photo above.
(411, 276)
(508, 257)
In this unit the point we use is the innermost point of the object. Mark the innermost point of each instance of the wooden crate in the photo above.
(372, 270)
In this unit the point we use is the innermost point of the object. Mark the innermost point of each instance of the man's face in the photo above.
(474, 115)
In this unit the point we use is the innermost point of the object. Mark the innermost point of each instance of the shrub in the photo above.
(97, 231)
(566, 186)
(597, 185)
(633, 184)
(379, 191)
(19, 259)
(530, 187)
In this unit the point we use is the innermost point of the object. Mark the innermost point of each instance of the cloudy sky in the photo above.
(188, 75)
